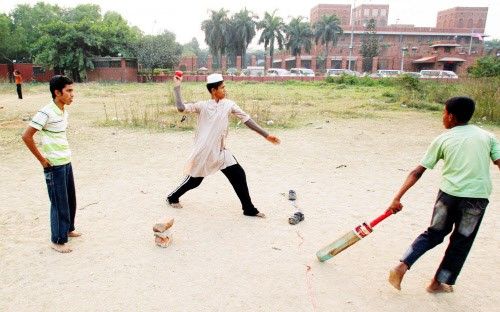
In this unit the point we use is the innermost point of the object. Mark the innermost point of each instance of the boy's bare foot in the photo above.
(162, 227)
(436, 287)
(175, 205)
(260, 215)
(396, 275)
(62, 248)
(74, 234)
(163, 241)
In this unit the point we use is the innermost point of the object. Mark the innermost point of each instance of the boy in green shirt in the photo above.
(466, 151)
(52, 121)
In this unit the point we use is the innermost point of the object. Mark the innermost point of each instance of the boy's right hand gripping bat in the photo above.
(350, 238)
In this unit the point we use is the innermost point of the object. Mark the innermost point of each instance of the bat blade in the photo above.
(343, 242)
(337, 246)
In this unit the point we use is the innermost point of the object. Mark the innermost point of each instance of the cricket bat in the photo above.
(350, 238)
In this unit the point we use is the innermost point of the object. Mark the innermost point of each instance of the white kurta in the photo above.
(209, 153)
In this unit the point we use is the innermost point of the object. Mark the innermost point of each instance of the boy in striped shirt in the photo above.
(52, 121)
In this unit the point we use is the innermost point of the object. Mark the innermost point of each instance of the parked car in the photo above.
(253, 71)
(388, 72)
(278, 72)
(438, 74)
(340, 71)
(302, 72)
(231, 71)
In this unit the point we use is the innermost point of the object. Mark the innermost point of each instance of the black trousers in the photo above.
(236, 176)
(19, 91)
(459, 216)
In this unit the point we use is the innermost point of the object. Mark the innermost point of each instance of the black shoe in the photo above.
(292, 195)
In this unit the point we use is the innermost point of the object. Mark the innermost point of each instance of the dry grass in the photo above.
(289, 104)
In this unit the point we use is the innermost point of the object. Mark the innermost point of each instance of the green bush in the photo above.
(409, 83)
(486, 94)
(488, 66)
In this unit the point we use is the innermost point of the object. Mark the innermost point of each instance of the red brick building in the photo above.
(463, 17)
(455, 43)
(122, 69)
(343, 12)
(363, 13)
(30, 72)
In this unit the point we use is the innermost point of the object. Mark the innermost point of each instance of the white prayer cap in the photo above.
(213, 78)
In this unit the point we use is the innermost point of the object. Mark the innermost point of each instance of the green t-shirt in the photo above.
(466, 152)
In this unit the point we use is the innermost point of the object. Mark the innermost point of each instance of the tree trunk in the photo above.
(326, 55)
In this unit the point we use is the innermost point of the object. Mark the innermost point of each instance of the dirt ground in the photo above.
(344, 172)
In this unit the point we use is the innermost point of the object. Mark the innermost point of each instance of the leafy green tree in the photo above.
(160, 51)
(191, 48)
(488, 66)
(243, 26)
(273, 31)
(327, 31)
(216, 32)
(63, 47)
(117, 37)
(9, 45)
(298, 36)
(68, 39)
(370, 45)
(28, 24)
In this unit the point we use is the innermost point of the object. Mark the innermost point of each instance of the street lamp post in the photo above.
(352, 35)
(403, 49)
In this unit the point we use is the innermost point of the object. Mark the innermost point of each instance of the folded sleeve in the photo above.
(433, 154)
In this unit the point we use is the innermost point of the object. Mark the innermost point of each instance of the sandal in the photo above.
(162, 227)
(296, 218)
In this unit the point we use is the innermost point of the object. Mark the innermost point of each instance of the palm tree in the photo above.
(273, 32)
(242, 32)
(216, 32)
(327, 30)
(298, 36)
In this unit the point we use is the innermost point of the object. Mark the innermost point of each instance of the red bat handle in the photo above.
(380, 218)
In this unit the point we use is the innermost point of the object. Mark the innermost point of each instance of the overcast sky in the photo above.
(184, 17)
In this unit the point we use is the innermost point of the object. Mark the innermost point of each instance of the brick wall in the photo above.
(471, 18)
(188, 63)
(126, 74)
(365, 12)
(4, 72)
(27, 71)
(343, 12)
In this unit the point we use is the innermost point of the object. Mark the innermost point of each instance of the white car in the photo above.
(302, 72)
(388, 72)
(278, 72)
(253, 71)
(438, 74)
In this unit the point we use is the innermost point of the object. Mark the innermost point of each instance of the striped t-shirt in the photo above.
(52, 123)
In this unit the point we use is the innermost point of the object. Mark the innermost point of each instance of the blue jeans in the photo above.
(61, 188)
(461, 214)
